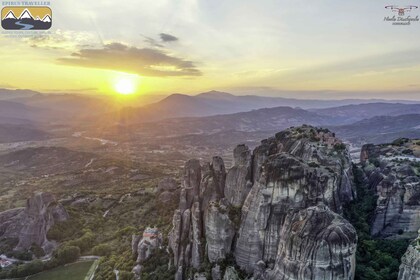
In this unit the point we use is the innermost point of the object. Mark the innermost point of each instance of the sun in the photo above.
(125, 86)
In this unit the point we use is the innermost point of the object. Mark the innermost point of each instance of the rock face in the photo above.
(276, 211)
(144, 246)
(200, 215)
(31, 224)
(392, 171)
(315, 243)
(239, 177)
(219, 231)
(300, 170)
(410, 262)
(167, 185)
(168, 190)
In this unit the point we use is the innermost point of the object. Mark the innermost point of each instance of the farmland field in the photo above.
(75, 271)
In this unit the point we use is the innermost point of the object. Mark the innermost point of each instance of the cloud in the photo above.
(152, 42)
(167, 37)
(145, 61)
(60, 39)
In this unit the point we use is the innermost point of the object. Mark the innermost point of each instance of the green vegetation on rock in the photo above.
(377, 259)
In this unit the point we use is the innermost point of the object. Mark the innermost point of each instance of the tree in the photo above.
(102, 250)
(67, 254)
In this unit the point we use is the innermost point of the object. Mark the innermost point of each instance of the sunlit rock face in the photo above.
(392, 172)
(31, 224)
(247, 212)
(410, 262)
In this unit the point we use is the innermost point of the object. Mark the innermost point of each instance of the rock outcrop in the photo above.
(143, 247)
(393, 172)
(275, 211)
(239, 177)
(410, 262)
(302, 167)
(199, 215)
(168, 190)
(31, 224)
(315, 243)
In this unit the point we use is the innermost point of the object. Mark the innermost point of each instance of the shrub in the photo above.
(85, 242)
(102, 250)
(67, 254)
(339, 147)
(125, 275)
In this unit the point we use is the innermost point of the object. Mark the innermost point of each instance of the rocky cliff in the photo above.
(393, 172)
(31, 224)
(410, 262)
(276, 211)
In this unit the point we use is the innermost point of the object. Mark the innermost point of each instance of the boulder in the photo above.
(167, 185)
(31, 224)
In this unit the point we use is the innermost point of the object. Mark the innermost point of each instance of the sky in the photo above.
(301, 49)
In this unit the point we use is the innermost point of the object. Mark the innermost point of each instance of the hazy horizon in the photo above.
(262, 92)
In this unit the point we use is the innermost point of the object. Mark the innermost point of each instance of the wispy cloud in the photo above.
(141, 61)
(152, 42)
(168, 37)
(60, 39)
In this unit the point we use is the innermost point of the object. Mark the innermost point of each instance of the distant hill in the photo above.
(79, 108)
(64, 108)
(16, 133)
(269, 119)
(14, 112)
(352, 113)
(7, 94)
(45, 160)
(215, 102)
(381, 129)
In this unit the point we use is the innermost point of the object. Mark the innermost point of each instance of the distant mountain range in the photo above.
(214, 103)
(7, 94)
(209, 112)
(380, 129)
(12, 112)
(352, 113)
(268, 119)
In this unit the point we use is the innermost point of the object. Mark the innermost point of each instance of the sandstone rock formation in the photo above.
(315, 243)
(296, 182)
(31, 224)
(167, 185)
(410, 262)
(168, 190)
(199, 216)
(300, 170)
(393, 172)
(239, 177)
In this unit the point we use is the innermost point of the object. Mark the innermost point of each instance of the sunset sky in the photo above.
(273, 47)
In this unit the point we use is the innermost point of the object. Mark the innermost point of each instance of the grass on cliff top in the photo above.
(75, 271)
